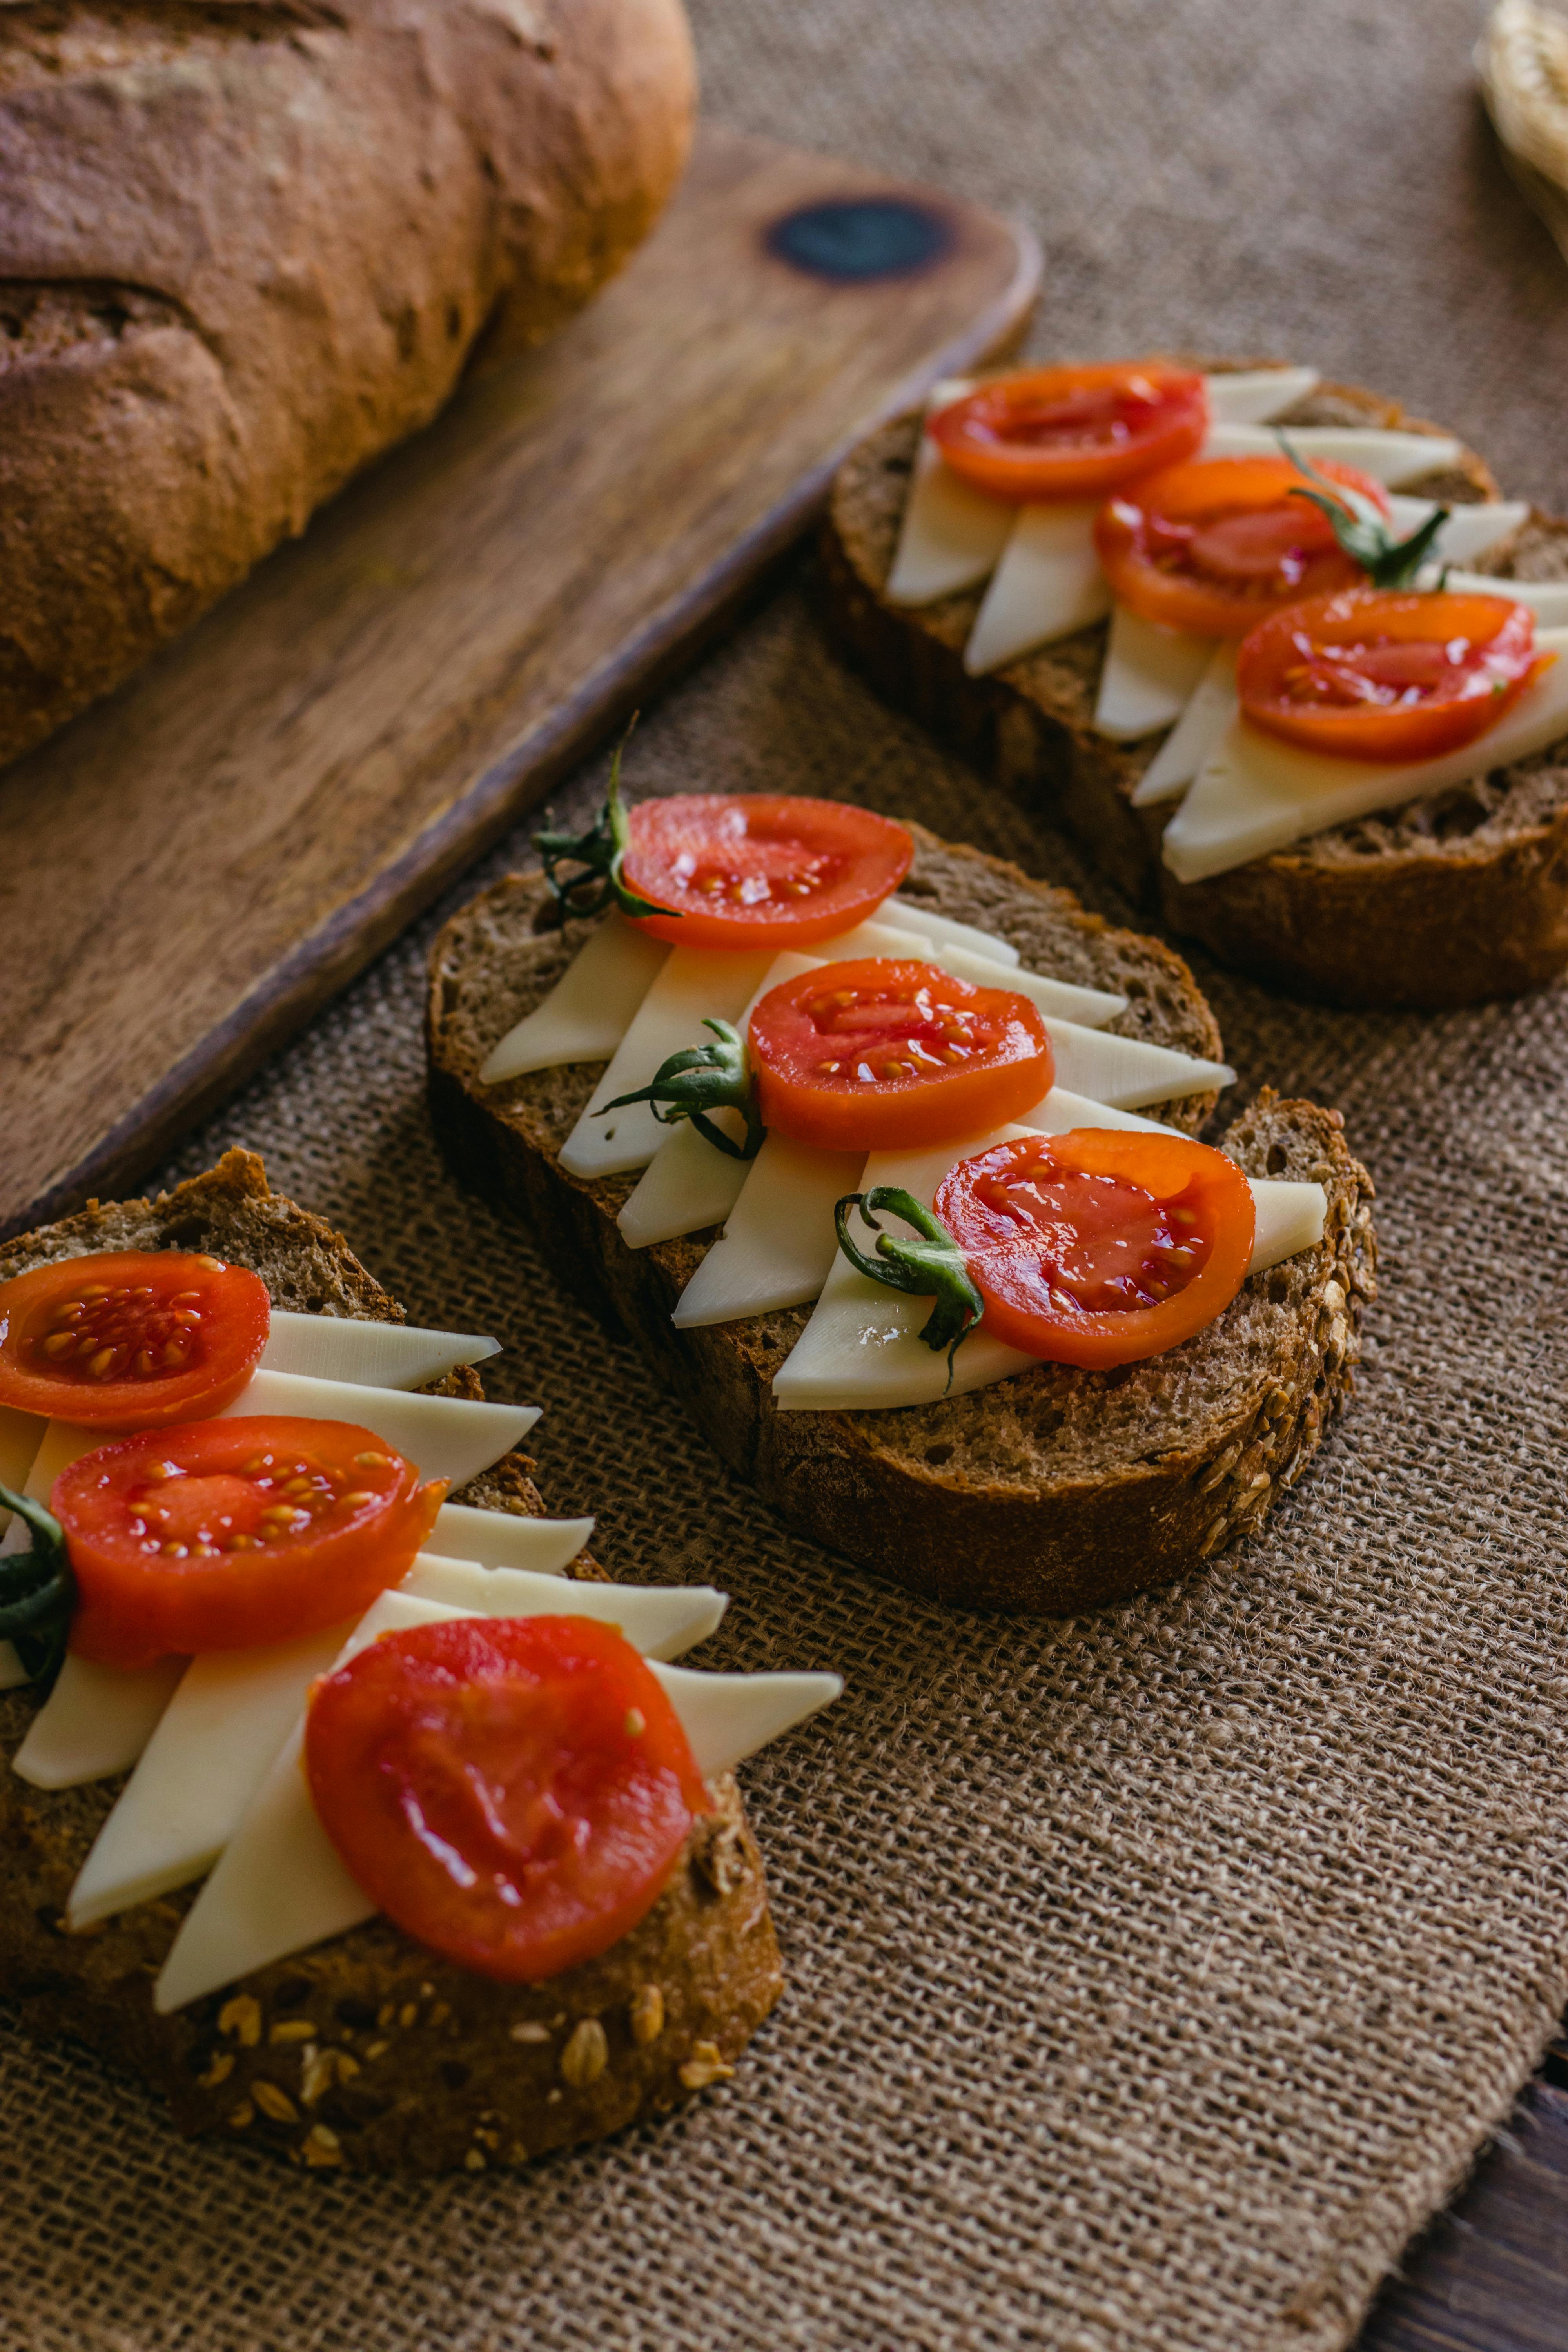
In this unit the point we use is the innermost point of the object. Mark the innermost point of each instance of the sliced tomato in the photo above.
(1214, 547)
(760, 870)
(1101, 1246)
(222, 1535)
(130, 1338)
(878, 1054)
(514, 1792)
(1387, 674)
(1072, 432)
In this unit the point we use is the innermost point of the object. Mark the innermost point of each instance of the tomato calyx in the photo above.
(1072, 432)
(699, 1080)
(931, 1266)
(38, 1590)
(601, 852)
(1361, 526)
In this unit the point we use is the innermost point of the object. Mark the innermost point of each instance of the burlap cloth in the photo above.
(1151, 1978)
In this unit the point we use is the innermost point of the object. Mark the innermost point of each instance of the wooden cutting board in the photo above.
(190, 869)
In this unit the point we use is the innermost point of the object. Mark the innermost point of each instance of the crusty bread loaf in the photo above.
(1450, 900)
(370, 2052)
(1058, 1490)
(246, 247)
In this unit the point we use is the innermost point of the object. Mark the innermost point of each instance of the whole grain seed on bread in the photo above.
(1451, 900)
(1056, 1490)
(370, 2052)
(247, 248)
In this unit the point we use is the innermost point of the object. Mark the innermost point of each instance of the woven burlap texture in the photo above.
(1151, 1978)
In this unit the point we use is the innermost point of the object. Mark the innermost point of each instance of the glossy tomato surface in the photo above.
(1101, 1246)
(1215, 546)
(130, 1338)
(880, 1053)
(760, 870)
(1072, 432)
(1387, 674)
(222, 1535)
(514, 1792)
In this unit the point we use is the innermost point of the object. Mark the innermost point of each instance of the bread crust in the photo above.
(246, 248)
(1453, 900)
(370, 2053)
(1054, 1492)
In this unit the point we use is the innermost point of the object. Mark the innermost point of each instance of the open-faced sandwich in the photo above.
(347, 1801)
(1086, 1353)
(1280, 655)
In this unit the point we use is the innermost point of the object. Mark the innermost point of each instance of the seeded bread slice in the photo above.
(369, 2052)
(1057, 1491)
(1450, 900)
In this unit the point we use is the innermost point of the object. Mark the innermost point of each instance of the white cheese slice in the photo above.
(448, 1437)
(696, 984)
(914, 917)
(1128, 1072)
(590, 1008)
(1256, 795)
(279, 1886)
(950, 535)
(1252, 396)
(366, 1354)
(96, 1721)
(1547, 599)
(1058, 1000)
(1148, 675)
(1209, 712)
(508, 1539)
(1390, 458)
(1047, 584)
(862, 1351)
(779, 1242)
(1469, 531)
(228, 1719)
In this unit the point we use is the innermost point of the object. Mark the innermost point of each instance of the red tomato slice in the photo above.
(1101, 1246)
(222, 1535)
(760, 870)
(1387, 674)
(879, 1053)
(1073, 431)
(1215, 546)
(130, 1338)
(514, 1792)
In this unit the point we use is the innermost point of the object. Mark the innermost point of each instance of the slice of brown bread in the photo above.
(1450, 900)
(1055, 1491)
(370, 2052)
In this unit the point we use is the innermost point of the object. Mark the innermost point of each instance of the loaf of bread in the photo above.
(1056, 1491)
(1452, 899)
(248, 244)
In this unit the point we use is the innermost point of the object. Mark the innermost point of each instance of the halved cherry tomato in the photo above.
(760, 870)
(1101, 1246)
(130, 1338)
(1214, 547)
(222, 1535)
(1382, 673)
(1072, 432)
(879, 1053)
(514, 1792)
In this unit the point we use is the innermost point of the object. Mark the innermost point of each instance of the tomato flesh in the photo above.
(883, 1053)
(1214, 547)
(1101, 1246)
(1072, 432)
(222, 1535)
(130, 1338)
(514, 1792)
(1387, 674)
(760, 870)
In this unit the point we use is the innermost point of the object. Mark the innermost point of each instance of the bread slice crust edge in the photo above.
(1461, 898)
(369, 2052)
(911, 1494)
